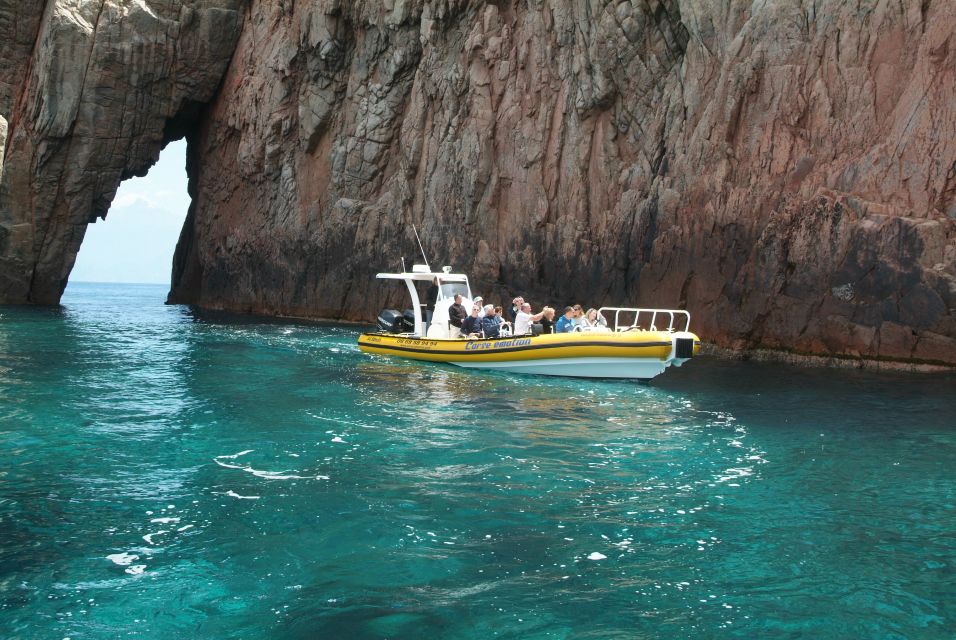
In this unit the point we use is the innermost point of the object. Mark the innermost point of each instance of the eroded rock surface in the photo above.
(784, 170)
(92, 90)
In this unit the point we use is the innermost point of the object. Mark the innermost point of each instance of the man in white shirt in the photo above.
(523, 319)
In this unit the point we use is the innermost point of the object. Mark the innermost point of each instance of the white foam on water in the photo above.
(136, 569)
(236, 455)
(596, 556)
(268, 475)
(273, 475)
(226, 465)
(149, 536)
(188, 526)
(219, 459)
(233, 494)
(122, 559)
(164, 520)
(321, 477)
(338, 439)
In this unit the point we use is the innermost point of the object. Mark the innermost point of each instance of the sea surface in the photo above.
(166, 473)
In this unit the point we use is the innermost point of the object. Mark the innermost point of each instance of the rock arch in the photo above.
(784, 171)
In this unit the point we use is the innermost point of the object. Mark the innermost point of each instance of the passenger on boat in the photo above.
(471, 326)
(431, 297)
(577, 317)
(456, 314)
(479, 302)
(565, 323)
(504, 327)
(515, 309)
(523, 319)
(547, 320)
(489, 324)
(595, 319)
(581, 320)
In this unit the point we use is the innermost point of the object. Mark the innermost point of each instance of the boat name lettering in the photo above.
(501, 344)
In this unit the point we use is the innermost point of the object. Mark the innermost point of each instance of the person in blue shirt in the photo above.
(489, 323)
(565, 323)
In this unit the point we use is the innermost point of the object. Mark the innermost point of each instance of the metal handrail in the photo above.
(671, 314)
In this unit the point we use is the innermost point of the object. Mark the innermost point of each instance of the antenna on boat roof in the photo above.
(420, 245)
(403, 264)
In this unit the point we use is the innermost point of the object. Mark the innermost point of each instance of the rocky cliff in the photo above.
(784, 170)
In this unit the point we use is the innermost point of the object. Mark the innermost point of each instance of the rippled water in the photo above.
(173, 475)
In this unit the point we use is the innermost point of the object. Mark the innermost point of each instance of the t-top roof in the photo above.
(442, 277)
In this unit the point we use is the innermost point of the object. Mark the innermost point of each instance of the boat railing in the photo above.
(634, 319)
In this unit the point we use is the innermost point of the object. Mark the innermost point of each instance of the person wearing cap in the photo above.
(480, 303)
(565, 323)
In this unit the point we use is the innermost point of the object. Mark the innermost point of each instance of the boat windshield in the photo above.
(449, 289)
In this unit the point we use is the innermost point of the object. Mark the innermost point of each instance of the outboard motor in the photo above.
(408, 320)
(390, 320)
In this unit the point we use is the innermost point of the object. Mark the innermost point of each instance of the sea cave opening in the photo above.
(136, 241)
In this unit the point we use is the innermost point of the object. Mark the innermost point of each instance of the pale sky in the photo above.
(136, 241)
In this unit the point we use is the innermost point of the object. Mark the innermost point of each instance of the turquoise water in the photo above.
(168, 474)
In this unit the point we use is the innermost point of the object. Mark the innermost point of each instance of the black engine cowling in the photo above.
(393, 321)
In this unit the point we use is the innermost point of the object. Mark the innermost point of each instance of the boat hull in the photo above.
(634, 354)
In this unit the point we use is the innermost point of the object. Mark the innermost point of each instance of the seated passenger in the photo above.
(578, 318)
(471, 326)
(547, 320)
(489, 325)
(504, 326)
(595, 319)
(565, 323)
(524, 319)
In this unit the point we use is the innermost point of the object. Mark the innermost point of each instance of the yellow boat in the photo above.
(637, 343)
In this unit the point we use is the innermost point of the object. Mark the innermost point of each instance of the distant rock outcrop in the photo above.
(784, 170)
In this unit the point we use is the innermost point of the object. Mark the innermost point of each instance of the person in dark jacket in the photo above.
(431, 297)
(489, 324)
(471, 326)
(456, 314)
(547, 320)
(514, 309)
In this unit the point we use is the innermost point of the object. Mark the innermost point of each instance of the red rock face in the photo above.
(784, 170)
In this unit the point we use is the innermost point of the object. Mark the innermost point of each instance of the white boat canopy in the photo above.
(449, 285)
